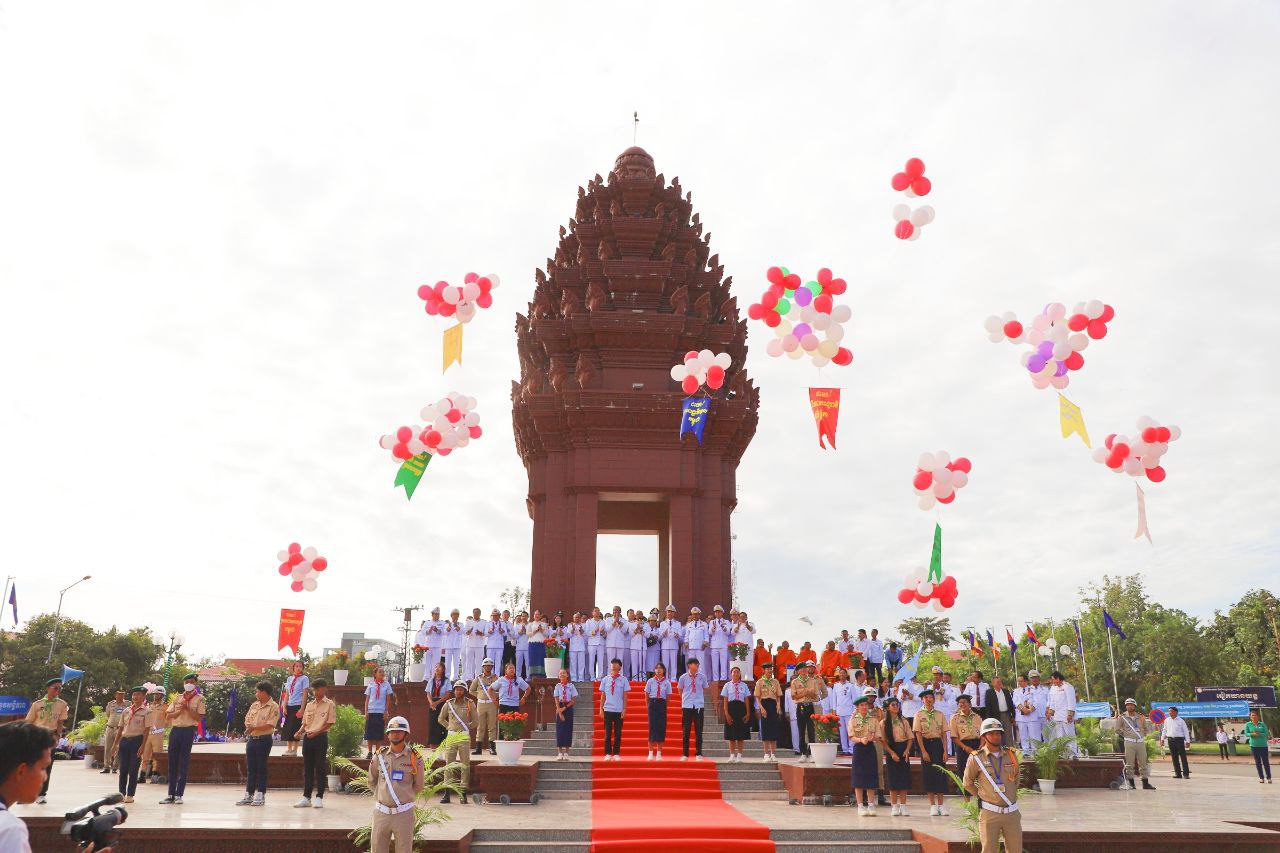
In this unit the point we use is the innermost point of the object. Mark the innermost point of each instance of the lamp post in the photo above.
(58, 617)
(175, 643)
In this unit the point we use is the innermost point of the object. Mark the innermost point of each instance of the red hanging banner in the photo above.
(291, 630)
(825, 403)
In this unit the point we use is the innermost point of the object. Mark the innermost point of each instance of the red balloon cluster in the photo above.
(302, 565)
(938, 478)
(1094, 327)
(911, 179)
(451, 423)
(448, 300)
(1139, 455)
(804, 316)
(911, 182)
(921, 592)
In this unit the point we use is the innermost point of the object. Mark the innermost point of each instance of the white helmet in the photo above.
(991, 724)
(398, 724)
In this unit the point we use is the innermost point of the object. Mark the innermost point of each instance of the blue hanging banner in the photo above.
(693, 416)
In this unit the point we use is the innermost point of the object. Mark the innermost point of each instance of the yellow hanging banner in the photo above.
(452, 346)
(1072, 420)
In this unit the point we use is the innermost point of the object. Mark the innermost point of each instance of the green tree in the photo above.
(110, 659)
(929, 631)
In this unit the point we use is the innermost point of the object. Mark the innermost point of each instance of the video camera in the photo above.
(87, 826)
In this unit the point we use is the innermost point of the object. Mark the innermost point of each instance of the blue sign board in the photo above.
(1257, 697)
(11, 706)
(1085, 710)
(1200, 710)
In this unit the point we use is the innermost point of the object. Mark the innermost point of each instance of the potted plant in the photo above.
(738, 651)
(90, 731)
(369, 667)
(425, 813)
(1047, 757)
(511, 737)
(553, 663)
(340, 671)
(826, 739)
(416, 668)
(345, 736)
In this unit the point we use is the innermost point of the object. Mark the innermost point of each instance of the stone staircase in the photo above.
(786, 840)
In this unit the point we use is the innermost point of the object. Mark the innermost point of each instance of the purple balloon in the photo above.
(802, 296)
(1045, 349)
(1036, 364)
(801, 329)
(1062, 369)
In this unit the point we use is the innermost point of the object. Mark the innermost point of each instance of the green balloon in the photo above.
(785, 271)
(783, 307)
(814, 288)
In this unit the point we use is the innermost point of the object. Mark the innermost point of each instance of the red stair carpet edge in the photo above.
(639, 805)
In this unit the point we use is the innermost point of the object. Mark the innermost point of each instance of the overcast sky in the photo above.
(213, 224)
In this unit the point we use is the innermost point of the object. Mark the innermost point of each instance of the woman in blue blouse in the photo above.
(565, 695)
(657, 688)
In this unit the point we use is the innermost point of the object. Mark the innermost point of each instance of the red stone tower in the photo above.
(630, 290)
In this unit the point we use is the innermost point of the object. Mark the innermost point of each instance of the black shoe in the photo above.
(1147, 786)
(462, 800)
(1177, 775)
(1132, 786)
(493, 750)
(167, 801)
(476, 751)
(881, 800)
(445, 798)
(105, 770)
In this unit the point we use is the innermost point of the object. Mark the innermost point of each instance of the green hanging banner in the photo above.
(935, 562)
(411, 472)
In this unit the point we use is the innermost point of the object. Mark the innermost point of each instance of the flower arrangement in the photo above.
(418, 652)
(369, 667)
(738, 651)
(826, 728)
(553, 647)
(511, 725)
(342, 655)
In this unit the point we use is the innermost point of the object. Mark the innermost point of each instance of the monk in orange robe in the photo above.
(807, 653)
(830, 660)
(761, 657)
(784, 659)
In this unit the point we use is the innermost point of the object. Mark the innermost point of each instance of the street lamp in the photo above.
(175, 642)
(58, 616)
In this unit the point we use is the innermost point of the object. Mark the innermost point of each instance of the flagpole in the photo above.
(4, 602)
(79, 688)
(1084, 661)
(1114, 686)
(1013, 654)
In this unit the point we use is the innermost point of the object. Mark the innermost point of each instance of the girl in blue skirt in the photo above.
(566, 696)
(657, 688)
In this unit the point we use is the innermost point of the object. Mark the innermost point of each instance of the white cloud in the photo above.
(215, 222)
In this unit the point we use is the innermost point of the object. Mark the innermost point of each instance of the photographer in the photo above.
(26, 752)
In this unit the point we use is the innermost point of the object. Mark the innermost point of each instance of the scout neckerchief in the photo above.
(998, 769)
(899, 721)
(613, 684)
(928, 713)
(288, 688)
(437, 684)
(133, 710)
(508, 688)
(562, 691)
(377, 690)
(663, 686)
(737, 691)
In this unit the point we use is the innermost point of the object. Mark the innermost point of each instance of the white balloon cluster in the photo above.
(302, 566)
(919, 218)
(701, 367)
(938, 478)
(1140, 455)
(800, 339)
(451, 424)
(1056, 338)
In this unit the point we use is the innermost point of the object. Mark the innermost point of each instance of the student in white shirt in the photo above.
(1175, 734)
(843, 693)
(1223, 740)
(1060, 710)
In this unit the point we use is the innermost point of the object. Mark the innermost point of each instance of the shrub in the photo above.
(345, 735)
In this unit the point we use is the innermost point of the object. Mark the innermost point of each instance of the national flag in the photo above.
(13, 601)
(1079, 639)
(991, 641)
(995, 652)
(1031, 635)
(975, 645)
(1111, 624)
(908, 670)
(231, 707)
(1013, 647)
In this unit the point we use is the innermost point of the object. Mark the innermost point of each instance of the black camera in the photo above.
(87, 825)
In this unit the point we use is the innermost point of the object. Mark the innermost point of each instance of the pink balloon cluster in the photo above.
(912, 183)
(701, 368)
(451, 423)
(302, 565)
(938, 477)
(920, 592)
(449, 300)
(1139, 455)
(804, 317)
(1056, 338)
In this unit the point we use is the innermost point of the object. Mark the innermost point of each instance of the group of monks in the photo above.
(832, 658)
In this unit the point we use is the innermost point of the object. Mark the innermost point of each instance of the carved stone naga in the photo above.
(586, 372)
(596, 298)
(542, 308)
(570, 305)
(559, 376)
(679, 300)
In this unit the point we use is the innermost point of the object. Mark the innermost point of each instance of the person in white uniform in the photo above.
(670, 636)
(494, 636)
(431, 638)
(842, 694)
(595, 645)
(577, 648)
(695, 636)
(451, 644)
(473, 631)
(719, 634)
(1029, 704)
(615, 638)
(1060, 710)
(636, 640)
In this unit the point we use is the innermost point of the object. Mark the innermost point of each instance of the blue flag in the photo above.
(908, 670)
(231, 706)
(13, 601)
(1111, 624)
(1079, 639)
(693, 416)
(69, 674)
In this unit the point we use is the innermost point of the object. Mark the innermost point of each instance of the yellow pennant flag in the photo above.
(452, 346)
(1072, 420)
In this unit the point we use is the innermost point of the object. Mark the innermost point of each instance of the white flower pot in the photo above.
(824, 754)
(368, 679)
(416, 670)
(334, 782)
(1046, 785)
(509, 751)
(553, 666)
(339, 677)
(88, 762)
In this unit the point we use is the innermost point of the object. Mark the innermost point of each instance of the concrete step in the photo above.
(571, 835)
(845, 846)
(545, 785)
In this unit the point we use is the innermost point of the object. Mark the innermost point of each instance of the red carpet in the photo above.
(669, 804)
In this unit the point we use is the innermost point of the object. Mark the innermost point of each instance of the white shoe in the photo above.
(764, 759)
(319, 803)
(942, 811)
(684, 758)
(42, 799)
(871, 810)
(893, 812)
(658, 756)
(303, 803)
(177, 801)
(862, 810)
(259, 799)
(650, 756)
(933, 811)
(902, 811)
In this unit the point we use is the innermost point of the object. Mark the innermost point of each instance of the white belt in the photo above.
(393, 809)
(998, 809)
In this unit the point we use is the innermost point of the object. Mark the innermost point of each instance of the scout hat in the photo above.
(991, 724)
(398, 724)
(767, 665)
(928, 691)
(190, 676)
(138, 689)
(1035, 673)
(52, 681)
(863, 698)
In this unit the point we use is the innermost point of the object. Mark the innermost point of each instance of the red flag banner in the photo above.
(291, 630)
(825, 403)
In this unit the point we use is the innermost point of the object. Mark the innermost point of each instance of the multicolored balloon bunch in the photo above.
(921, 592)
(804, 317)
(701, 368)
(1140, 455)
(451, 424)
(912, 183)
(303, 565)
(461, 302)
(1056, 338)
(938, 477)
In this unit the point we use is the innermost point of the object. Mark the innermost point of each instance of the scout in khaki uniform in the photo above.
(992, 776)
(155, 737)
(396, 775)
(929, 725)
(318, 717)
(481, 687)
(49, 713)
(134, 729)
(1134, 728)
(458, 715)
(184, 714)
(260, 721)
(115, 719)
(965, 732)
(864, 730)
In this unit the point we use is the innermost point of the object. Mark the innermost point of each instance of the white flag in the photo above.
(1142, 515)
